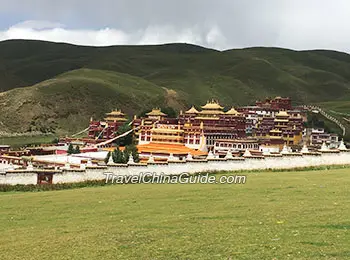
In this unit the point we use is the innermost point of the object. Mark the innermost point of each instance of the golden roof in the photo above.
(282, 113)
(155, 112)
(167, 130)
(116, 112)
(207, 118)
(115, 118)
(232, 111)
(192, 110)
(212, 105)
(211, 112)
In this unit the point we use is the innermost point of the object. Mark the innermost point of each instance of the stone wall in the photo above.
(19, 177)
(174, 168)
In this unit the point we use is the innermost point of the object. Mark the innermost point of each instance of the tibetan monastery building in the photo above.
(196, 129)
(281, 129)
(213, 122)
(107, 128)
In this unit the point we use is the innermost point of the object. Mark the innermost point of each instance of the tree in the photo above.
(171, 113)
(131, 149)
(70, 149)
(123, 156)
(107, 157)
(77, 149)
(118, 156)
(125, 140)
(135, 154)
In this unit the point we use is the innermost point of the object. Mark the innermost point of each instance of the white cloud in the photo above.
(49, 31)
(297, 24)
(38, 25)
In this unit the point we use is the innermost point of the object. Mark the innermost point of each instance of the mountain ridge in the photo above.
(44, 79)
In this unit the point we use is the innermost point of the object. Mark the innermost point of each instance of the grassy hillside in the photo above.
(341, 111)
(65, 83)
(68, 101)
(275, 215)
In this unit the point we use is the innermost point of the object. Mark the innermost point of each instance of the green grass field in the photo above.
(20, 141)
(286, 215)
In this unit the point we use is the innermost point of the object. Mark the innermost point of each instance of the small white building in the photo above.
(318, 136)
(222, 146)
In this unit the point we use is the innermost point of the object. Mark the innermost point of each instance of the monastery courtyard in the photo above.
(275, 215)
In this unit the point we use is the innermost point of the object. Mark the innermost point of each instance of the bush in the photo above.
(70, 149)
(77, 149)
(123, 156)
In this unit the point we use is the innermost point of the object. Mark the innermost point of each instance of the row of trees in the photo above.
(72, 150)
(314, 121)
(123, 156)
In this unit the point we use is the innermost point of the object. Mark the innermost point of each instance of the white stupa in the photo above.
(30, 166)
(131, 159)
(266, 152)
(285, 150)
(304, 150)
(229, 155)
(324, 147)
(67, 166)
(11, 167)
(171, 157)
(342, 146)
(89, 162)
(247, 153)
(210, 155)
(189, 157)
(150, 159)
(110, 160)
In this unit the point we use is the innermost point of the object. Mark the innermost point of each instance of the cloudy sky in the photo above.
(220, 24)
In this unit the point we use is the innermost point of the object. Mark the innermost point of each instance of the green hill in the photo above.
(58, 87)
(68, 101)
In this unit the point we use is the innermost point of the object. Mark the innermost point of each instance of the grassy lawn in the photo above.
(20, 141)
(287, 215)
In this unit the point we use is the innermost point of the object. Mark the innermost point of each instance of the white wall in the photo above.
(19, 177)
(173, 168)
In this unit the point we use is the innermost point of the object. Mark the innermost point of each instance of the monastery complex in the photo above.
(270, 129)
(265, 127)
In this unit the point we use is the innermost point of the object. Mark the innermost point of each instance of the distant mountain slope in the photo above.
(68, 101)
(80, 82)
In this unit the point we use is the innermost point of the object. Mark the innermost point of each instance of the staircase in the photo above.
(328, 116)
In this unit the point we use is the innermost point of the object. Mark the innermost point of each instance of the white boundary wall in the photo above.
(175, 168)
